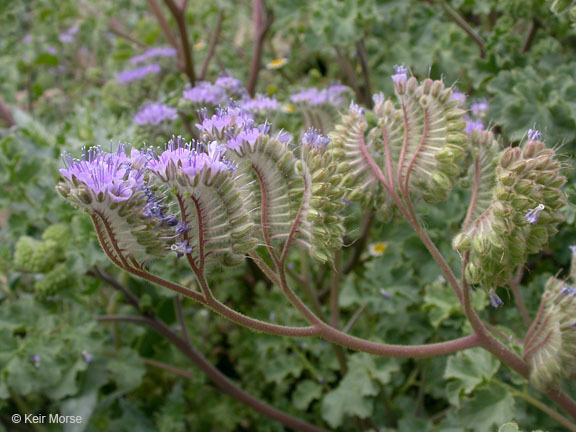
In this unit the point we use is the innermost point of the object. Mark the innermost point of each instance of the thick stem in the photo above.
(218, 378)
(336, 336)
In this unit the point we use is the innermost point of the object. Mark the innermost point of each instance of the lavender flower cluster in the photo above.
(477, 112)
(331, 96)
(129, 75)
(154, 114)
(154, 53)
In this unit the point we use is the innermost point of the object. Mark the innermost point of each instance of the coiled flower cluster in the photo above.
(550, 345)
(521, 215)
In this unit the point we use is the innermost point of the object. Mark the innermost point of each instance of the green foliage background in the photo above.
(65, 99)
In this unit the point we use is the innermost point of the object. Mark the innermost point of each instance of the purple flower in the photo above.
(473, 124)
(378, 98)
(35, 359)
(68, 36)
(130, 75)
(312, 137)
(152, 53)
(534, 135)
(105, 175)
(314, 97)
(459, 97)
(181, 228)
(189, 159)
(357, 108)
(532, 215)
(181, 249)
(154, 114)
(400, 74)
(249, 135)
(573, 249)
(495, 301)
(261, 105)
(50, 50)
(479, 108)
(232, 85)
(87, 356)
(206, 93)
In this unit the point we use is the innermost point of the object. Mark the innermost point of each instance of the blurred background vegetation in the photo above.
(58, 61)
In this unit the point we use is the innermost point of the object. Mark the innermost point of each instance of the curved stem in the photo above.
(340, 338)
(218, 378)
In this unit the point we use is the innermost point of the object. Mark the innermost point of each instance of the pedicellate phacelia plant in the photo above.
(243, 190)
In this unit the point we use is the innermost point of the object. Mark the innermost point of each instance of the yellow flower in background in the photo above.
(377, 249)
(199, 46)
(277, 63)
(289, 108)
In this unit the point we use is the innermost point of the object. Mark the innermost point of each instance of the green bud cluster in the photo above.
(419, 144)
(526, 181)
(359, 182)
(36, 256)
(550, 345)
(272, 188)
(57, 279)
(433, 129)
(323, 223)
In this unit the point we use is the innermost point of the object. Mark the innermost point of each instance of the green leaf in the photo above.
(306, 392)
(471, 368)
(352, 397)
(488, 407)
(127, 369)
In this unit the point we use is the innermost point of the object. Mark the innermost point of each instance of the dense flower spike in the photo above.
(522, 214)
(111, 187)
(261, 105)
(130, 75)
(154, 53)
(205, 93)
(318, 106)
(216, 226)
(322, 225)
(266, 167)
(418, 147)
(550, 345)
(154, 114)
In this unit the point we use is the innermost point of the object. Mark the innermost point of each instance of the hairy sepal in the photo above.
(550, 346)
(500, 238)
(274, 191)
